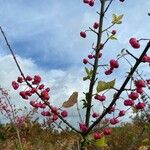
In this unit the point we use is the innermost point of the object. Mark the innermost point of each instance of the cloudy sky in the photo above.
(45, 37)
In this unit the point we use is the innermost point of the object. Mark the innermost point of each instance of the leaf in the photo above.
(112, 37)
(86, 78)
(102, 85)
(117, 19)
(71, 101)
(114, 17)
(120, 17)
(87, 71)
(101, 142)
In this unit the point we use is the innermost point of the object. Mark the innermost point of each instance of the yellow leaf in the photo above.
(102, 85)
(101, 142)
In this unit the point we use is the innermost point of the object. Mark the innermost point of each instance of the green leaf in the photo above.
(102, 85)
(86, 78)
(87, 71)
(101, 142)
(91, 73)
(112, 37)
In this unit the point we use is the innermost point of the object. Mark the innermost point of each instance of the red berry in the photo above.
(45, 113)
(85, 61)
(97, 135)
(33, 90)
(146, 58)
(114, 121)
(83, 127)
(28, 78)
(133, 95)
(41, 86)
(37, 79)
(28, 93)
(107, 131)
(108, 72)
(139, 90)
(128, 102)
(55, 117)
(83, 34)
(100, 97)
(45, 95)
(139, 83)
(20, 80)
(47, 89)
(140, 105)
(112, 109)
(95, 115)
(64, 113)
(91, 3)
(96, 25)
(15, 85)
(23, 95)
(114, 63)
(122, 113)
(113, 32)
(54, 110)
(90, 56)
(134, 43)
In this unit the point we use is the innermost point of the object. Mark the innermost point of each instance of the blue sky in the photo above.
(48, 31)
(45, 36)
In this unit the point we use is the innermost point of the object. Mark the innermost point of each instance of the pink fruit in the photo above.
(122, 113)
(64, 113)
(37, 79)
(107, 131)
(15, 85)
(108, 72)
(83, 34)
(97, 135)
(114, 121)
(83, 127)
(45, 95)
(139, 90)
(90, 56)
(55, 117)
(85, 61)
(91, 3)
(95, 115)
(41, 86)
(114, 63)
(134, 43)
(96, 25)
(45, 113)
(133, 95)
(20, 80)
(128, 102)
(54, 110)
(139, 83)
(100, 97)
(140, 105)
(113, 32)
(28, 78)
